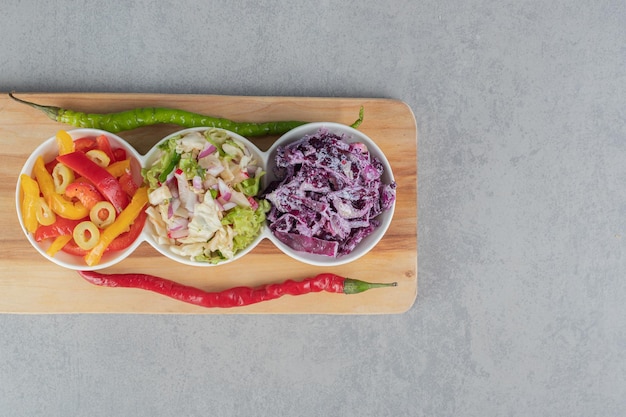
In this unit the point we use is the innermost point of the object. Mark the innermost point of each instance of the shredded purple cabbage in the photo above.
(327, 194)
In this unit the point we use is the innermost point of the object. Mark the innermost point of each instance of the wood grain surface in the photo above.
(31, 284)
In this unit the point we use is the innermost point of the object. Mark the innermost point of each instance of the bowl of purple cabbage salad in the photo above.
(203, 187)
(331, 192)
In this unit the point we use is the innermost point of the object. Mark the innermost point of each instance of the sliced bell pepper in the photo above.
(103, 144)
(65, 142)
(119, 243)
(50, 165)
(106, 183)
(118, 168)
(30, 202)
(128, 183)
(44, 178)
(60, 227)
(57, 202)
(119, 154)
(85, 144)
(85, 192)
(121, 224)
(58, 244)
(68, 209)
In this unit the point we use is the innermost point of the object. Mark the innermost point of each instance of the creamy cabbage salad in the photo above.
(202, 196)
(327, 194)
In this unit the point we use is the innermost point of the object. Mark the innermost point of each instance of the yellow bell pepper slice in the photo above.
(58, 203)
(67, 209)
(121, 224)
(117, 169)
(43, 177)
(30, 202)
(65, 142)
(58, 244)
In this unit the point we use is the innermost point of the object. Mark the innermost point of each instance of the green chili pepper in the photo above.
(147, 116)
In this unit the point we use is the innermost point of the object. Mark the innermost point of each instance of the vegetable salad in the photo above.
(202, 192)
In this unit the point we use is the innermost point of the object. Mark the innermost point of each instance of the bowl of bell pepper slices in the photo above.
(80, 199)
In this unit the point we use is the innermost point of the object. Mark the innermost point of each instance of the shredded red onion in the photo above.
(208, 150)
(197, 183)
(224, 190)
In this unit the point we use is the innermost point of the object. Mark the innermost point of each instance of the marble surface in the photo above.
(521, 113)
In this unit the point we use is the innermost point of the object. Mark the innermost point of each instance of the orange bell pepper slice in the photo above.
(117, 169)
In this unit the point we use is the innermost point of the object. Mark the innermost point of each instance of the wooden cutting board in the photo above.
(31, 284)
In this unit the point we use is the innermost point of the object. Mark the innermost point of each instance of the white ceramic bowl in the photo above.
(149, 231)
(49, 150)
(350, 135)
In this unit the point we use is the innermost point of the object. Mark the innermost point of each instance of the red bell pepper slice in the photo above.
(128, 183)
(85, 192)
(105, 146)
(106, 183)
(61, 226)
(119, 154)
(85, 144)
(119, 243)
(50, 165)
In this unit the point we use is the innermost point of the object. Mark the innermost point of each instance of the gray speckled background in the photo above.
(521, 108)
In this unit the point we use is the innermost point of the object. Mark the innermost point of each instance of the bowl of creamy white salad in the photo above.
(203, 206)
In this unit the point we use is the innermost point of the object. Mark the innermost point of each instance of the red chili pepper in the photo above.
(106, 183)
(233, 297)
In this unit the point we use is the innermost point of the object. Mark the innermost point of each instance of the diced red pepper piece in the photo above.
(106, 183)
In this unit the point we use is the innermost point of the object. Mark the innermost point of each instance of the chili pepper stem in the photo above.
(50, 111)
(355, 286)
